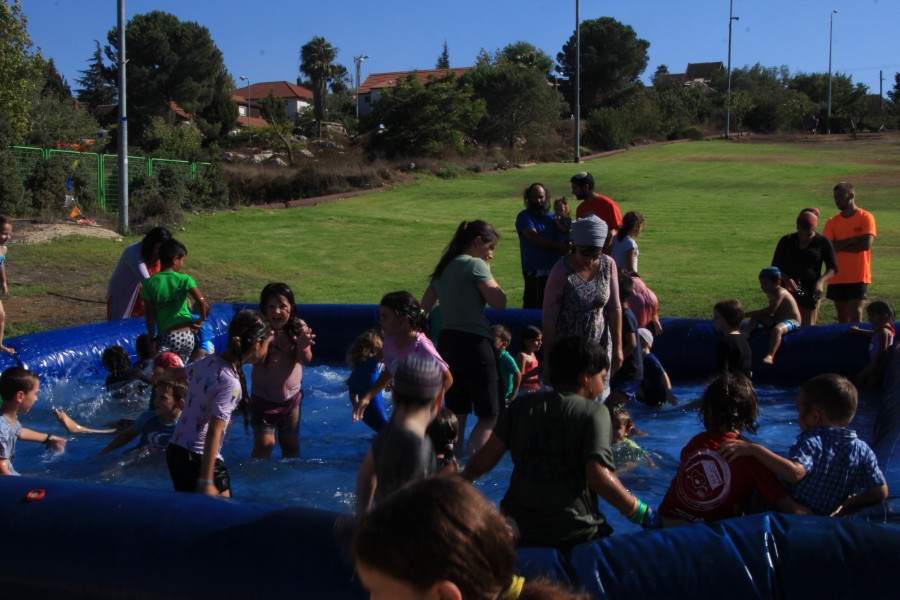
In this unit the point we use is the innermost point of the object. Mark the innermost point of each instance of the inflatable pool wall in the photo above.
(82, 540)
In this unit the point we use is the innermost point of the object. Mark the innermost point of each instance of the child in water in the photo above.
(626, 453)
(364, 357)
(276, 399)
(881, 336)
(707, 487)
(443, 432)
(403, 324)
(527, 360)
(19, 391)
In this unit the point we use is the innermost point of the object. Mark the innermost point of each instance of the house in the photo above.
(696, 74)
(295, 99)
(369, 92)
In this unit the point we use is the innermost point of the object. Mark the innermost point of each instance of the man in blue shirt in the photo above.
(540, 243)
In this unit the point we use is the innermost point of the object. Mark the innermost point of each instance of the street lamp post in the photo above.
(247, 79)
(358, 60)
(731, 20)
(830, 35)
(577, 81)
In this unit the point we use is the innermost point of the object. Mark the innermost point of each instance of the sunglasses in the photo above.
(588, 251)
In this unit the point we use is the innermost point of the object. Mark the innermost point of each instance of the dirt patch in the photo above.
(32, 232)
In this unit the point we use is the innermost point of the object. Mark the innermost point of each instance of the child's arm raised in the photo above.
(304, 343)
(784, 468)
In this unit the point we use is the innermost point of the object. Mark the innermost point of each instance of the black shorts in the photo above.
(184, 468)
(847, 291)
(473, 364)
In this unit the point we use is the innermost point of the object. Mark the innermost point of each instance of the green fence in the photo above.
(106, 168)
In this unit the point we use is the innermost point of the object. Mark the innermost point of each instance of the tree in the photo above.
(18, 68)
(97, 82)
(170, 62)
(341, 80)
(520, 105)
(443, 61)
(612, 60)
(894, 94)
(272, 109)
(316, 61)
(525, 54)
(431, 119)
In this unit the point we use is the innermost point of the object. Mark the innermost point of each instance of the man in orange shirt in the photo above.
(852, 232)
(593, 203)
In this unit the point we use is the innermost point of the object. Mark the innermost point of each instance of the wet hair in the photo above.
(246, 328)
(880, 307)
(619, 415)
(442, 529)
(142, 346)
(466, 233)
(115, 359)
(404, 304)
(631, 224)
(169, 251)
(530, 191)
(833, 394)
(272, 290)
(179, 389)
(152, 240)
(502, 332)
(731, 310)
(530, 333)
(583, 178)
(15, 380)
(366, 344)
(572, 356)
(729, 403)
(443, 432)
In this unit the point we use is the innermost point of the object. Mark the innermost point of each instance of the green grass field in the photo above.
(714, 212)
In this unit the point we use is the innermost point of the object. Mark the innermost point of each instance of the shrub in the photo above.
(14, 198)
(607, 129)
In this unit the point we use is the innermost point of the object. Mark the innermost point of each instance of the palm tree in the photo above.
(316, 58)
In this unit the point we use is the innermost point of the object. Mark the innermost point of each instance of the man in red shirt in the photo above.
(596, 204)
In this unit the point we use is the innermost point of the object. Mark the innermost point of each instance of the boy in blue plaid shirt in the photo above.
(830, 470)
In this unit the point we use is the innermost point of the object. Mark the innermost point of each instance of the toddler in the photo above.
(626, 453)
(829, 469)
(364, 357)
(656, 387)
(508, 370)
(881, 316)
(563, 218)
(733, 352)
(443, 432)
(527, 360)
(19, 391)
(782, 315)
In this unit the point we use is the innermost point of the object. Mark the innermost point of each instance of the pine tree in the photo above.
(97, 85)
(443, 61)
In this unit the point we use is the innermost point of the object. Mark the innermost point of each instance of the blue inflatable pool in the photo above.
(82, 540)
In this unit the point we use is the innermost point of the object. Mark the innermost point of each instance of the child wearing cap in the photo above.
(656, 387)
(781, 315)
(402, 452)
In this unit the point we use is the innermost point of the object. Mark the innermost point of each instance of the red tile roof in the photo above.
(280, 89)
(254, 122)
(377, 81)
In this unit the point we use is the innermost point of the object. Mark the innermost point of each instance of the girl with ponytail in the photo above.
(463, 283)
(216, 385)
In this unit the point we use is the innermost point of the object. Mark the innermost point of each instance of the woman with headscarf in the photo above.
(800, 257)
(582, 295)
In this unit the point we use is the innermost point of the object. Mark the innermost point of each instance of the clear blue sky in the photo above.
(261, 39)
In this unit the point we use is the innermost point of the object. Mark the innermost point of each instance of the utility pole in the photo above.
(123, 126)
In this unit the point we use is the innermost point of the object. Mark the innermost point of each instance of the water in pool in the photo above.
(332, 446)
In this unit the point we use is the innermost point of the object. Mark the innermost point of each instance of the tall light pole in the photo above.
(731, 20)
(577, 81)
(830, 34)
(123, 124)
(247, 79)
(358, 60)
